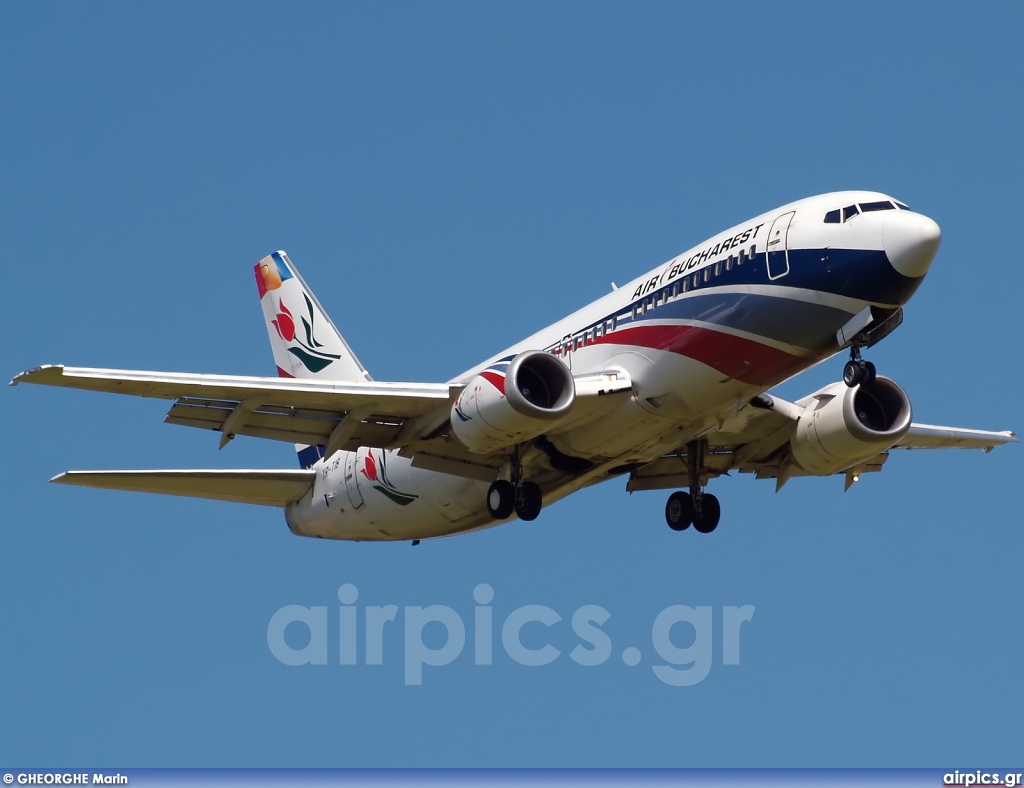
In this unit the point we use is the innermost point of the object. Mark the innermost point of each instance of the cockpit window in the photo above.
(837, 216)
(902, 206)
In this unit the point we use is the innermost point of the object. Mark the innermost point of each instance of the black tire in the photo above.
(711, 513)
(870, 373)
(852, 374)
(679, 511)
(528, 501)
(501, 499)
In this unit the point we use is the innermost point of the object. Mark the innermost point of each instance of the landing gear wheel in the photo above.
(853, 373)
(528, 501)
(501, 499)
(707, 519)
(679, 511)
(858, 371)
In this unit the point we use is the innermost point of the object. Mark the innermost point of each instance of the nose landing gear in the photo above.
(858, 371)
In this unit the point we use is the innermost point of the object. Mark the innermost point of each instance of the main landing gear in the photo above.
(522, 497)
(857, 370)
(696, 507)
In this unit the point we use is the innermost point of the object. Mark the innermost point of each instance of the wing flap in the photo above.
(673, 472)
(261, 487)
(292, 425)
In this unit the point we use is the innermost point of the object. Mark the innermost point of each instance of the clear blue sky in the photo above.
(449, 178)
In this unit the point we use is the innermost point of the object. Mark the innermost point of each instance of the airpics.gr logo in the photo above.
(530, 635)
(378, 476)
(271, 273)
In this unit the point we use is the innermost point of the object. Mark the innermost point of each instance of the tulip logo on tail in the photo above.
(271, 273)
(379, 478)
(307, 352)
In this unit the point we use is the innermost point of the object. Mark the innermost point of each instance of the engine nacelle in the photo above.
(844, 426)
(501, 407)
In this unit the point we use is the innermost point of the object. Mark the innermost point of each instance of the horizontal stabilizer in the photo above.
(265, 488)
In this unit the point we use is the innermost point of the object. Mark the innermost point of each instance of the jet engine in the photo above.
(502, 407)
(844, 426)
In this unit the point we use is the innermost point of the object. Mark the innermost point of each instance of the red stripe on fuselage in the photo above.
(496, 380)
(735, 357)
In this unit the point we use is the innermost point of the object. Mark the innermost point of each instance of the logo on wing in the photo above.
(309, 352)
(378, 476)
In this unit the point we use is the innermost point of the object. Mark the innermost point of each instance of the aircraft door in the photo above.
(355, 495)
(778, 250)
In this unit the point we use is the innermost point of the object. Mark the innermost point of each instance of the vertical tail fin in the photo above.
(306, 343)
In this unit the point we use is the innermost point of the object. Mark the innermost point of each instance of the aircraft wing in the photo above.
(313, 412)
(928, 436)
(756, 439)
(265, 488)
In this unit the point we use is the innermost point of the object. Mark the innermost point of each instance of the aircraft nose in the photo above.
(911, 241)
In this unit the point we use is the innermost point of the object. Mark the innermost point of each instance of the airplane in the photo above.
(664, 382)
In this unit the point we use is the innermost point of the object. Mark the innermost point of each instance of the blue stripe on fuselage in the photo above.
(799, 323)
(864, 275)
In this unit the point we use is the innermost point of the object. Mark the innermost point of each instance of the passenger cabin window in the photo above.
(718, 268)
(881, 205)
(832, 217)
(849, 212)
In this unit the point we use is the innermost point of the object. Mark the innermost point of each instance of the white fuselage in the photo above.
(699, 336)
